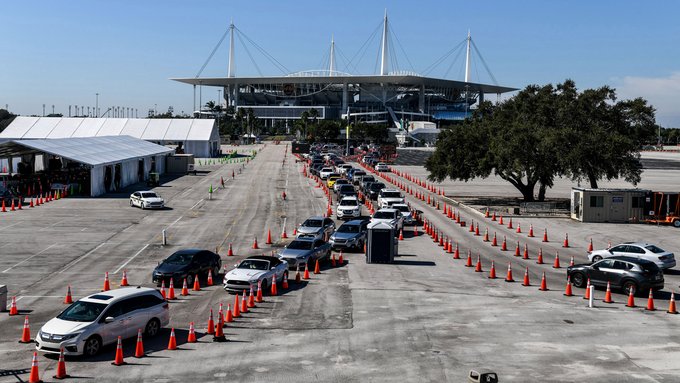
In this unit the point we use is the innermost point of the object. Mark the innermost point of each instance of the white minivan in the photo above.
(99, 319)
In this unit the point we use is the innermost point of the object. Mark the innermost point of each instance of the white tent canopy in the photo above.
(199, 137)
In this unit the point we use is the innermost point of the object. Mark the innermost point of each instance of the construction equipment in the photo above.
(664, 209)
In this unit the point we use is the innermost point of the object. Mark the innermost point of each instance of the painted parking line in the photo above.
(131, 258)
(32, 256)
(8, 226)
(81, 258)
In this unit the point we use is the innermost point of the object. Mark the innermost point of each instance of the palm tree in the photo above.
(304, 117)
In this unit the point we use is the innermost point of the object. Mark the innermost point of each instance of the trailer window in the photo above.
(596, 201)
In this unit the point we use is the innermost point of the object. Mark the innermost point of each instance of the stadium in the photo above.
(387, 97)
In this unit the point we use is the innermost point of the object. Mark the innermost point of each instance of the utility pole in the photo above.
(97, 104)
(43, 110)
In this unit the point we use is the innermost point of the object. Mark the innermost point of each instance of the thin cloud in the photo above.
(662, 92)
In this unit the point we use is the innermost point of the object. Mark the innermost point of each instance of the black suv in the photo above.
(373, 190)
(186, 264)
(622, 272)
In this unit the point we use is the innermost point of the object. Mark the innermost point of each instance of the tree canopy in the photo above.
(544, 132)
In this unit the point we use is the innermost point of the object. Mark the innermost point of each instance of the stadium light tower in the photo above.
(384, 57)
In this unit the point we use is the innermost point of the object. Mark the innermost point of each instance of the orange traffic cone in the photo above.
(494, 242)
(477, 230)
(401, 234)
(274, 291)
(31, 204)
(500, 220)
(251, 298)
(510, 223)
(566, 240)
(185, 289)
(118, 360)
(284, 235)
(258, 295)
(107, 286)
(284, 284)
(269, 238)
(493, 217)
(298, 278)
(219, 332)
(650, 301)
(306, 274)
(197, 284)
(519, 228)
(608, 294)
(486, 235)
(517, 250)
(525, 255)
(531, 230)
(211, 323)
(341, 260)
(255, 246)
(492, 272)
(228, 316)
(230, 253)
(539, 260)
(68, 299)
(590, 246)
(469, 259)
(139, 349)
(244, 303)
(209, 282)
(587, 294)
(526, 278)
(61, 367)
(124, 280)
(26, 333)
(191, 338)
(504, 245)
(571, 261)
(317, 270)
(171, 291)
(163, 289)
(12, 207)
(545, 235)
(294, 231)
(508, 277)
(556, 264)
(567, 290)
(172, 343)
(478, 266)
(671, 304)
(34, 377)
(333, 260)
(631, 298)
(456, 252)
(544, 284)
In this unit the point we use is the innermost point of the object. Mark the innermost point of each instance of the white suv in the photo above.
(99, 319)
(388, 197)
(349, 207)
(382, 167)
(325, 172)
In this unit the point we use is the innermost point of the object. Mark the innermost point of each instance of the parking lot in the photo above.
(426, 317)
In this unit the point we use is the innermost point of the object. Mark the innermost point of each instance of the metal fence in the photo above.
(552, 208)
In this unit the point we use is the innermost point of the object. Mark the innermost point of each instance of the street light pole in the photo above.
(97, 104)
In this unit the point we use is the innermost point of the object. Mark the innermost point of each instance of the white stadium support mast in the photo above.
(331, 67)
(383, 61)
(467, 58)
(232, 63)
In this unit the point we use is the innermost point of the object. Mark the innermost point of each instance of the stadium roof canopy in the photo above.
(400, 80)
(92, 151)
(154, 129)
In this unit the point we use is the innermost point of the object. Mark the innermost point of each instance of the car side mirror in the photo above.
(109, 319)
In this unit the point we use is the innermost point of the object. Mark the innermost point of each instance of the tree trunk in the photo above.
(541, 192)
(527, 192)
(593, 181)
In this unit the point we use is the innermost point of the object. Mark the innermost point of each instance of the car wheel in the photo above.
(628, 285)
(597, 258)
(152, 327)
(92, 346)
(141, 205)
(264, 286)
(676, 223)
(578, 279)
(131, 204)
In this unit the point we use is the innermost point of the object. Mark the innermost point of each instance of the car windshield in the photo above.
(149, 195)
(300, 245)
(82, 312)
(346, 187)
(394, 194)
(368, 179)
(349, 202)
(326, 170)
(357, 174)
(654, 249)
(348, 229)
(254, 264)
(312, 223)
(377, 186)
(402, 208)
(383, 215)
(179, 259)
(341, 181)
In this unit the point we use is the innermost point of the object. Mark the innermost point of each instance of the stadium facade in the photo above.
(386, 97)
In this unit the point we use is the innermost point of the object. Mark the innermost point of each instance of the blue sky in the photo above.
(63, 52)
